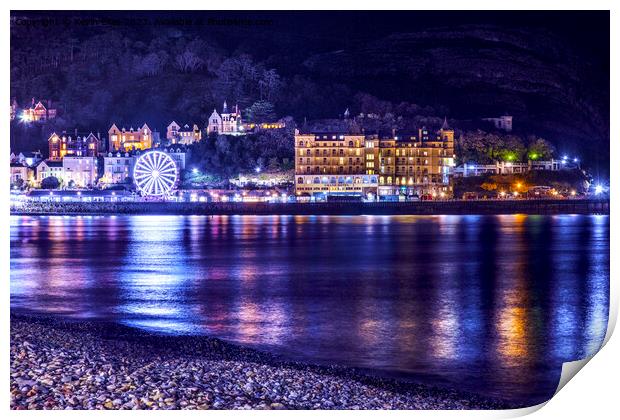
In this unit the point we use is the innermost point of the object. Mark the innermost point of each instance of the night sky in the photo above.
(550, 70)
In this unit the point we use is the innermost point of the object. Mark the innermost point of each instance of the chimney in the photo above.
(75, 132)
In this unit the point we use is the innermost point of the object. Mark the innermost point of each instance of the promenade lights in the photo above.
(257, 169)
(598, 189)
(194, 171)
(573, 193)
(516, 194)
(502, 194)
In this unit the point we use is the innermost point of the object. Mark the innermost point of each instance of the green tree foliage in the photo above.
(484, 148)
(261, 111)
(539, 149)
(564, 180)
(50, 183)
(225, 156)
(18, 183)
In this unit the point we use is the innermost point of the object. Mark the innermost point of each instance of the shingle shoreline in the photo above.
(58, 364)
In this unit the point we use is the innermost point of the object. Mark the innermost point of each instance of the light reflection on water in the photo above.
(490, 304)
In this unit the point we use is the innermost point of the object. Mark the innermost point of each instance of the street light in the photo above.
(195, 171)
(598, 189)
(257, 169)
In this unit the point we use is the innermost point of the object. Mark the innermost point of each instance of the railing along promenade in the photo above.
(567, 206)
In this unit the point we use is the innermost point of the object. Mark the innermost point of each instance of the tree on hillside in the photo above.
(188, 62)
(512, 149)
(261, 111)
(269, 84)
(540, 149)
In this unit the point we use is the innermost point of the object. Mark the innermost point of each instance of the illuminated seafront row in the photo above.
(584, 206)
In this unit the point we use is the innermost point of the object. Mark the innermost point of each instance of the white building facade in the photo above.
(117, 168)
(507, 168)
(229, 122)
(503, 122)
(47, 168)
(79, 171)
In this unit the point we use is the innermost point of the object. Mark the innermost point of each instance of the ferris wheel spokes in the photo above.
(155, 173)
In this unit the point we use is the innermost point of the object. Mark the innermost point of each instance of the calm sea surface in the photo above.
(488, 304)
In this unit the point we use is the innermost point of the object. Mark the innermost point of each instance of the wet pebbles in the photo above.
(89, 365)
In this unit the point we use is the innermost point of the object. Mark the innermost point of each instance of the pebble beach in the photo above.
(58, 364)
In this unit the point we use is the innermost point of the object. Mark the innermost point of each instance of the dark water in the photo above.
(489, 304)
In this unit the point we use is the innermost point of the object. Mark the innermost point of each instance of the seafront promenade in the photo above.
(591, 206)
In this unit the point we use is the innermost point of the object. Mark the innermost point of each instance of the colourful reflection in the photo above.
(498, 300)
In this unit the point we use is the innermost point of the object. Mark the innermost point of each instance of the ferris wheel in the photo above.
(155, 173)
